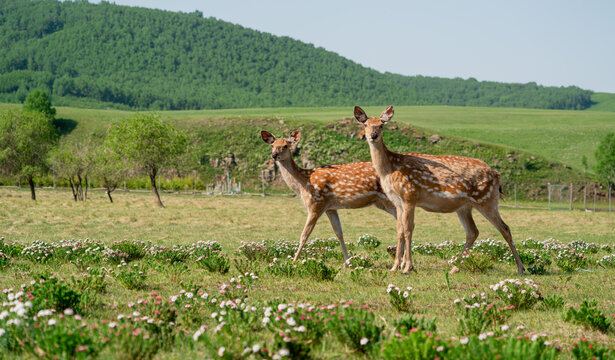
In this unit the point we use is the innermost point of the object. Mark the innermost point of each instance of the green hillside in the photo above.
(330, 136)
(104, 55)
(603, 102)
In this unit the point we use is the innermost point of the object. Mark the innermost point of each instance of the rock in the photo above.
(419, 138)
(268, 174)
(434, 139)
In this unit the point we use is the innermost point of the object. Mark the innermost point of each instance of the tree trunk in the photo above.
(152, 177)
(73, 187)
(109, 194)
(85, 195)
(80, 188)
(31, 182)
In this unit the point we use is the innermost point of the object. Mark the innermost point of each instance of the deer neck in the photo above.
(295, 177)
(381, 159)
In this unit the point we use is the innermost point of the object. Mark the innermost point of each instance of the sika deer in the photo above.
(435, 183)
(327, 189)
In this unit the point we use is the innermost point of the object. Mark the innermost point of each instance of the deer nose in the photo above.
(274, 156)
(374, 136)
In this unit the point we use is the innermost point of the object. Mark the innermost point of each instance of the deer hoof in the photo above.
(454, 270)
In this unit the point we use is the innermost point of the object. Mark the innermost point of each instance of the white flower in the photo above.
(464, 340)
(112, 324)
(69, 312)
(457, 301)
(221, 351)
(300, 329)
(440, 348)
(5, 313)
(199, 332)
(51, 322)
(406, 294)
(214, 315)
(284, 352)
(364, 341)
(505, 327)
(482, 336)
(282, 307)
(256, 348)
(520, 327)
(266, 321)
(291, 322)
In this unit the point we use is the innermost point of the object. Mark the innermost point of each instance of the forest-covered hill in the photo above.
(96, 55)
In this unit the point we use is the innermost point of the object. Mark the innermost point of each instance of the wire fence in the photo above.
(589, 197)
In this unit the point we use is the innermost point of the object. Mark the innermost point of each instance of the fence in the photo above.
(564, 197)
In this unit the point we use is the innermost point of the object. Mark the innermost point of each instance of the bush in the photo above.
(131, 277)
(570, 260)
(520, 294)
(414, 344)
(589, 316)
(216, 262)
(51, 293)
(134, 250)
(408, 322)
(607, 261)
(4, 260)
(359, 261)
(584, 349)
(368, 241)
(317, 269)
(553, 302)
(473, 261)
(354, 326)
(401, 301)
(479, 314)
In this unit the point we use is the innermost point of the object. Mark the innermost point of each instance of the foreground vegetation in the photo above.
(174, 269)
(217, 65)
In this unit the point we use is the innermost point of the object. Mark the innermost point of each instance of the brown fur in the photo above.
(435, 183)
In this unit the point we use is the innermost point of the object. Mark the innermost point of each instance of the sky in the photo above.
(552, 43)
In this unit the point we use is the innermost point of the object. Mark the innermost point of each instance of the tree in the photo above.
(148, 144)
(38, 101)
(74, 160)
(605, 159)
(25, 140)
(110, 169)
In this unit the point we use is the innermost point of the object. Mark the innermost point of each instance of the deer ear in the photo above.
(360, 115)
(267, 137)
(387, 114)
(295, 136)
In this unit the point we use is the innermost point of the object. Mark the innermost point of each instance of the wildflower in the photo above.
(363, 341)
(520, 327)
(256, 348)
(284, 352)
(482, 336)
(51, 322)
(440, 348)
(81, 348)
(199, 332)
(69, 312)
(464, 340)
(505, 327)
(221, 351)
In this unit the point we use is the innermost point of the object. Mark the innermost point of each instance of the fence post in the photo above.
(53, 179)
(549, 187)
(570, 197)
(124, 186)
(515, 195)
(19, 183)
(594, 198)
(263, 182)
(584, 198)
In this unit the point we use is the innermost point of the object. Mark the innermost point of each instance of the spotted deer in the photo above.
(440, 184)
(327, 189)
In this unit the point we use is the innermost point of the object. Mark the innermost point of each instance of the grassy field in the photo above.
(231, 220)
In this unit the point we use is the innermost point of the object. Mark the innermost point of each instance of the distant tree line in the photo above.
(153, 59)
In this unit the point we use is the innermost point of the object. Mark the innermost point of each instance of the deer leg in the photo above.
(493, 215)
(399, 252)
(465, 217)
(307, 230)
(408, 228)
(337, 229)
(389, 209)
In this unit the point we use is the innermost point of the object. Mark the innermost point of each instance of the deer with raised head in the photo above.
(327, 189)
(440, 184)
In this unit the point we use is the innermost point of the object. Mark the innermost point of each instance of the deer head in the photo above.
(281, 149)
(373, 126)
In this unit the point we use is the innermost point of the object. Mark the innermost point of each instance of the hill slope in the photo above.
(100, 55)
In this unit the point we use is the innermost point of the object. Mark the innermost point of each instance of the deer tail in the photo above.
(501, 193)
